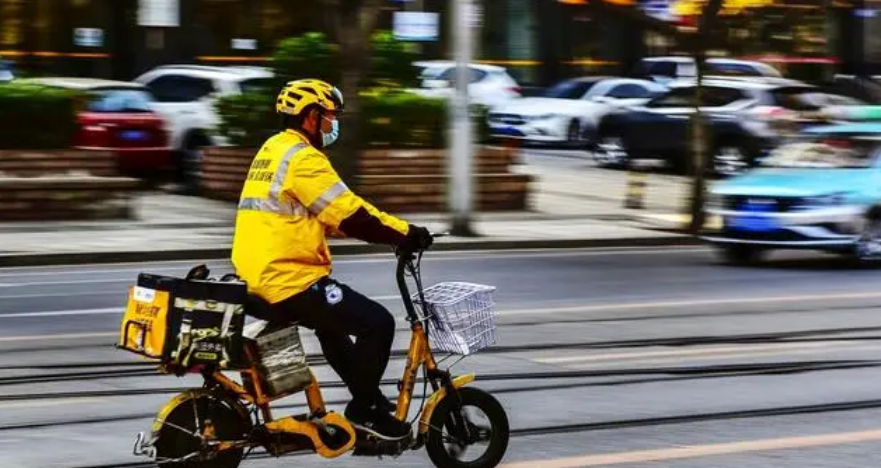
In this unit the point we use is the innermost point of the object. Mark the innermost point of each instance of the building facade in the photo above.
(540, 41)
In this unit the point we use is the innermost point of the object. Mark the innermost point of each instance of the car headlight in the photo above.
(544, 117)
(823, 201)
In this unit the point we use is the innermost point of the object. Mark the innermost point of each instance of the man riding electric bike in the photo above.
(291, 200)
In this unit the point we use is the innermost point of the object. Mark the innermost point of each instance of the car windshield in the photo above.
(570, 89)
(809, 99)
(825, 154)
(676, 97)
(740, 69)
(256, 84)
(120, 100)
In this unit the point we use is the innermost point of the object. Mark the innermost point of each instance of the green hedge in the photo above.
(37, 117)
(392, 62)
(247, 119)
(391, 119)
(306, 56)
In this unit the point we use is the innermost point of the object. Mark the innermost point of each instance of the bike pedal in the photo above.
(375, 447)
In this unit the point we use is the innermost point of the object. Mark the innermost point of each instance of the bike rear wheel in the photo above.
(205, 417)
(487, 431)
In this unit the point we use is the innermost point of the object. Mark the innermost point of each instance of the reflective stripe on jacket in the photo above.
(291, 198)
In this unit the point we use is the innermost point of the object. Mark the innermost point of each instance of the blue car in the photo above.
(820, 192)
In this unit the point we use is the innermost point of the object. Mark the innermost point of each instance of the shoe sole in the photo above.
(378, 435)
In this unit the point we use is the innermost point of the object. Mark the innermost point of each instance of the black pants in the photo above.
(337, 313)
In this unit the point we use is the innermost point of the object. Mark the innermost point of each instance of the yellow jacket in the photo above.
(291, 198)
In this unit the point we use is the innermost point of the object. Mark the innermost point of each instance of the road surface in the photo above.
(636, 358)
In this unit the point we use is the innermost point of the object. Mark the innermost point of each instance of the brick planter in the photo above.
(32, 163)
(65, 198)
(401, 181)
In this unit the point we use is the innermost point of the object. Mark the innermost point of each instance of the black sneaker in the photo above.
(384, 404)
(375, 421)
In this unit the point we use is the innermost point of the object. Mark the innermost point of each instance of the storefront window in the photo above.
(47, 27)
(281, 19)
(11, 24)
(221, 21)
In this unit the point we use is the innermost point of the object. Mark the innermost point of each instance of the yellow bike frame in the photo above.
(419, 354)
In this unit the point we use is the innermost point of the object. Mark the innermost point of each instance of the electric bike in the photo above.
(219, 424)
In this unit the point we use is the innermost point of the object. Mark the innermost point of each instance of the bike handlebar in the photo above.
(404, 260)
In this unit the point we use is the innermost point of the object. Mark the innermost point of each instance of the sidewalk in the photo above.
(571, 208)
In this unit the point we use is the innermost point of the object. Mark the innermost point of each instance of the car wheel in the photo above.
(868, 245)
(611, 152)
(190, 163)
(729, 160)
(741, 254)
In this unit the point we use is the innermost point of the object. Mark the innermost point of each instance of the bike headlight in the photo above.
(823, 201)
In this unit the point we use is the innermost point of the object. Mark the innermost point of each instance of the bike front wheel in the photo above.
(468, 429)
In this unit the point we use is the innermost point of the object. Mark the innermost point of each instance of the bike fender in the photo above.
(436, 398)
(183, 398)
(178, 400)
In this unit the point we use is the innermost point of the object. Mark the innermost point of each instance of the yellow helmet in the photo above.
(300, 94)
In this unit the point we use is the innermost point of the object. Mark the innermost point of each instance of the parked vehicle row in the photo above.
(749, 109)
(569, 112)
(745, 119)
(158, 122)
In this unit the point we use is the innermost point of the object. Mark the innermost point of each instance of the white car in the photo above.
(666, 69)
(186, 96)
(488, 85)
(569, 111)
(5, 72)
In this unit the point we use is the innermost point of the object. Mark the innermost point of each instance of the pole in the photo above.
(461, 184)
(698, 125)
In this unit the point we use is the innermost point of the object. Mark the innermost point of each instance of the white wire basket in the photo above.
(460, 316)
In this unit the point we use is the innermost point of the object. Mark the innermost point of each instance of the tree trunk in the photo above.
(698, 129)
(347, 150)
(352, 22)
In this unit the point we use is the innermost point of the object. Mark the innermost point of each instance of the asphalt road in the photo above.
(626, 357)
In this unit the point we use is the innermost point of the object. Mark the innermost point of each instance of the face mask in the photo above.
(328, 139)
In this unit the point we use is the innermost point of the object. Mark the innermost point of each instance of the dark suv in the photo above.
(741, 114)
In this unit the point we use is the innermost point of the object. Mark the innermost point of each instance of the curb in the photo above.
(75, 258)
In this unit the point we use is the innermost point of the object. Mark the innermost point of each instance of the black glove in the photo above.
(418, 239)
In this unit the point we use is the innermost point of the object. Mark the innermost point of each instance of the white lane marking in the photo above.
(45, 403)
(692, 302)
(550, 310)
(694, 451)
(68, 336)
(61, 283)
(62, 313)
(113, 310)
(64, 294)
(689, 352)
(728, 357)
(365, 258)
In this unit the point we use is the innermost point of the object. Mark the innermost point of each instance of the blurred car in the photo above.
(743, 116)
(6, 74)
(569, 111)
(819, 193)
(488, 85)
(186, 96)
(667, 69)
(119, 117)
